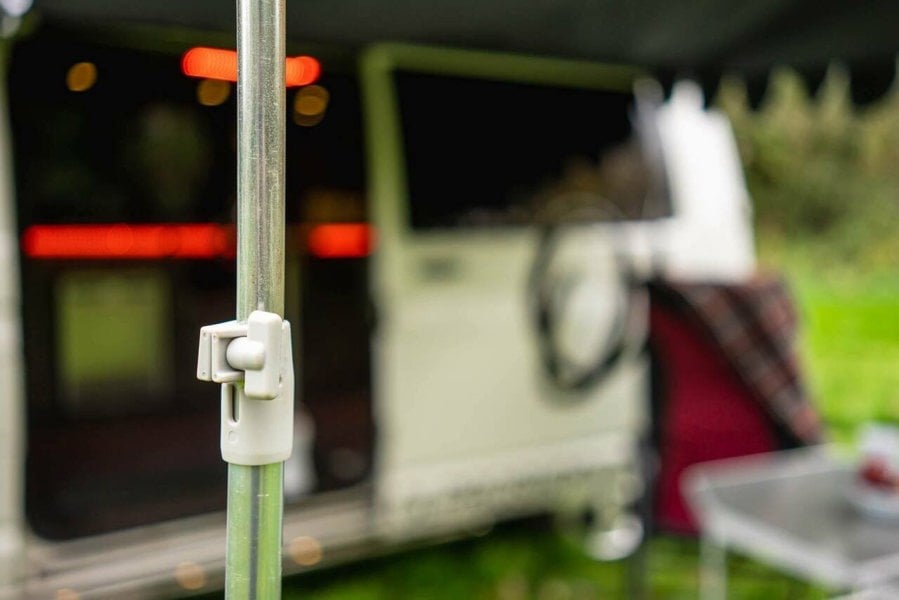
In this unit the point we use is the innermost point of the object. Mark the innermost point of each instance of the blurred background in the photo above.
(528, 294)
(823, 179)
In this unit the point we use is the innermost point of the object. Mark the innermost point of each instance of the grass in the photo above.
(524, 563)
(849, 340)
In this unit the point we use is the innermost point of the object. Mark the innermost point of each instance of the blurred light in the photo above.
(309, 105)
(190, 576)
(301, 70)
(66, 594)
(160, 241)
(217, 63)
(210, 63)
(305, 551)
(312, 100)
(81, 76)
(123, 241)
(16, 8)
(341, 240)
(213, 92)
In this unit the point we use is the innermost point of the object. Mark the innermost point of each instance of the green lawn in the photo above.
(527, 563)
(850, 343)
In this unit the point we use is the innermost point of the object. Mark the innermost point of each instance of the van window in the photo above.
(488, 153)
(116, 137)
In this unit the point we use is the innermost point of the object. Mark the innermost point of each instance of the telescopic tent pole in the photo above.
(251, 356)
(255, 493)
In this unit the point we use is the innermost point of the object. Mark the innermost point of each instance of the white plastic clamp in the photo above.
(254, 363)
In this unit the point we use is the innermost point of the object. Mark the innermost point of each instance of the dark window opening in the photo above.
(120, 432)
(490, 153)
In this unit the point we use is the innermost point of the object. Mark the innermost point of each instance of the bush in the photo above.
(821, 170)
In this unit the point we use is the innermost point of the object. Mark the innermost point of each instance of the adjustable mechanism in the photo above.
(254, 363)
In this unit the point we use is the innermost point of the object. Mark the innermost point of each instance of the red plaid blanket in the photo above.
(754, 325)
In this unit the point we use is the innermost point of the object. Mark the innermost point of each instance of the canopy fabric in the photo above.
(699, 38)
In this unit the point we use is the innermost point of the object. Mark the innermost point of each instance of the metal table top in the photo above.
(791, 510)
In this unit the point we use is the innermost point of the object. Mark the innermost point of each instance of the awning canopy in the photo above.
(698, 38)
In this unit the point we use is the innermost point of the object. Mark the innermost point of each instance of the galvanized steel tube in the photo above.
(255, 493)
(255, 503)
(260, 156)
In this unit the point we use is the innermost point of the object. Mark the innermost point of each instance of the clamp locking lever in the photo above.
(254, 363)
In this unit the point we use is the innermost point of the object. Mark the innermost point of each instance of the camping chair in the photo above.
(726, 383)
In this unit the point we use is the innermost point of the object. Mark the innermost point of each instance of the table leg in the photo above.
(712, 570)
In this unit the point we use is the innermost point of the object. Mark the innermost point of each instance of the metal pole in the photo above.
(255, 493)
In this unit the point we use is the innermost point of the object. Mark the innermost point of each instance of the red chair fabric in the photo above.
(704, 411)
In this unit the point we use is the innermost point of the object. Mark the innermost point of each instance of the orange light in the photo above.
(217, 63)
(301, 70)
(129, 241)
(81, 76)
(213, 92)
(309, 105)
(341, 240)
(210, 63)
(190, 576)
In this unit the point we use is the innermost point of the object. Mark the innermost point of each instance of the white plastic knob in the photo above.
(245, 354)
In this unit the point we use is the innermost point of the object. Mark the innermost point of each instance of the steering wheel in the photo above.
(588, 311)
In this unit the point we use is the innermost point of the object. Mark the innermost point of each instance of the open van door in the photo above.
(473, 428)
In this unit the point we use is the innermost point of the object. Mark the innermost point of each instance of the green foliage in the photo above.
(824, 177)
(821, 171)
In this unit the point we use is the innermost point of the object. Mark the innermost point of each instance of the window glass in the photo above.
(489, 153)
(113, 332)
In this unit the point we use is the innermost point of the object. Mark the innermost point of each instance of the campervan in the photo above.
(468, 335)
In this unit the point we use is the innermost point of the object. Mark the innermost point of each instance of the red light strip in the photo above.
(341, 240)
(125, 241)
(217, 63)
(301, 70)
(211, 63)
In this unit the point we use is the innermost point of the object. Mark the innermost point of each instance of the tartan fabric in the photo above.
(754, 326)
